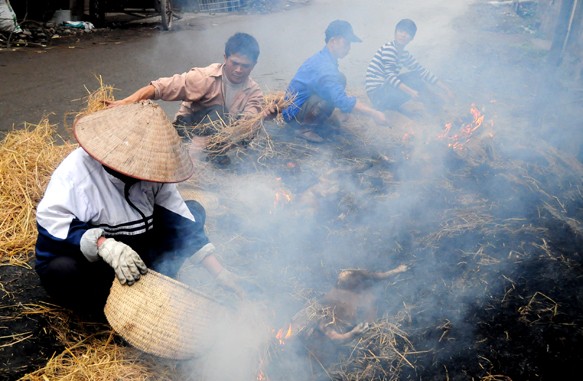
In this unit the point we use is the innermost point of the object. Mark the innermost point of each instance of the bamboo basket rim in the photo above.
(162, 316)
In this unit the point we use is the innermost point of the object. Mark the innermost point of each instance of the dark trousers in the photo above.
(83, 286)
(315, 111)
(200, 123)
(388, 97)
(205, 122)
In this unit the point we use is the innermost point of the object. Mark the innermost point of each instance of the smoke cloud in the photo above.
(460, 219)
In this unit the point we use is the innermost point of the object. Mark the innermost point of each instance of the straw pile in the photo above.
(376, 355)
(92, 351)
(380, 353)
(99, 357)
(27, 159)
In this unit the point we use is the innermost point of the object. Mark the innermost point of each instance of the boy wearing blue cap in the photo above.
(319, 87)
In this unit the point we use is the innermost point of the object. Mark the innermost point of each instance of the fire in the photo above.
(458, 139)
(281, 337)
(282, 197)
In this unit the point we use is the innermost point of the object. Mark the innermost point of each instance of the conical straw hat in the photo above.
(136, 140)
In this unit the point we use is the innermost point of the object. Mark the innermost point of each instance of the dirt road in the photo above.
(490, 251)
(52, 80)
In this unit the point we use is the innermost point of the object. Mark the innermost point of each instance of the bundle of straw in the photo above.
(28, 157)
(96, 99)
(231, 133)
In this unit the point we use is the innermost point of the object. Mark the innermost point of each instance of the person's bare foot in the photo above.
(309, 135)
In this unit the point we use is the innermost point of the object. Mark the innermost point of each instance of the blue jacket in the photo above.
(318, 75)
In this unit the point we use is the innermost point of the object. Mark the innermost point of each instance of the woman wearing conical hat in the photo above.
(112, 208)
(211, 95)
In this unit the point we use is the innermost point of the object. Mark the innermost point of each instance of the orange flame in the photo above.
(281, 198)
(458, 140)
(281, 337)
(261, 376)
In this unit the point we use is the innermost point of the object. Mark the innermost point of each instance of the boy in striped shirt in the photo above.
(387, 87)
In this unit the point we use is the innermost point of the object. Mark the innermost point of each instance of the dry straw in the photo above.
(235, 132)
(100, 357)
(96, 100)
(28, 157)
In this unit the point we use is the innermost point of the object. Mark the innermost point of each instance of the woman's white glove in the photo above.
(126, 263)
(230, 281)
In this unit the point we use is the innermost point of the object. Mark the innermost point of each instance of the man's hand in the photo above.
(146, 92)
(414, 94)
(120, 102)
(380, 118)
(126, 263)
(269, 112)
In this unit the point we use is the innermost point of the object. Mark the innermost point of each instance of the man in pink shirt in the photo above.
(221, 91)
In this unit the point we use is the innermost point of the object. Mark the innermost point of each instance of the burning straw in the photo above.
(27, 159)
(376, 355)
(379, 353)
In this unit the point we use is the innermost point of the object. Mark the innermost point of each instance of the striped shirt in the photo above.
(387, 63)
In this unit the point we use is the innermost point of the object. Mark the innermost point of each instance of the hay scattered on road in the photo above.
(28, 157)
(95, 100)
(100, 357)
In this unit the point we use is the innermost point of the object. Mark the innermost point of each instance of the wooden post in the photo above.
(77, 8)
(560, 33)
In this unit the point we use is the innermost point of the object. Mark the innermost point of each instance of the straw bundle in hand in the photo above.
(240, 131)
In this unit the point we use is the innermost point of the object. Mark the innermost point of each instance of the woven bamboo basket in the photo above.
(162, 316)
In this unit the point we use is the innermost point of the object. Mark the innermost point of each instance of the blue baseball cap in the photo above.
(341, 28)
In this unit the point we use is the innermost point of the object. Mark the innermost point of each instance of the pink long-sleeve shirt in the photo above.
(202, 87)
